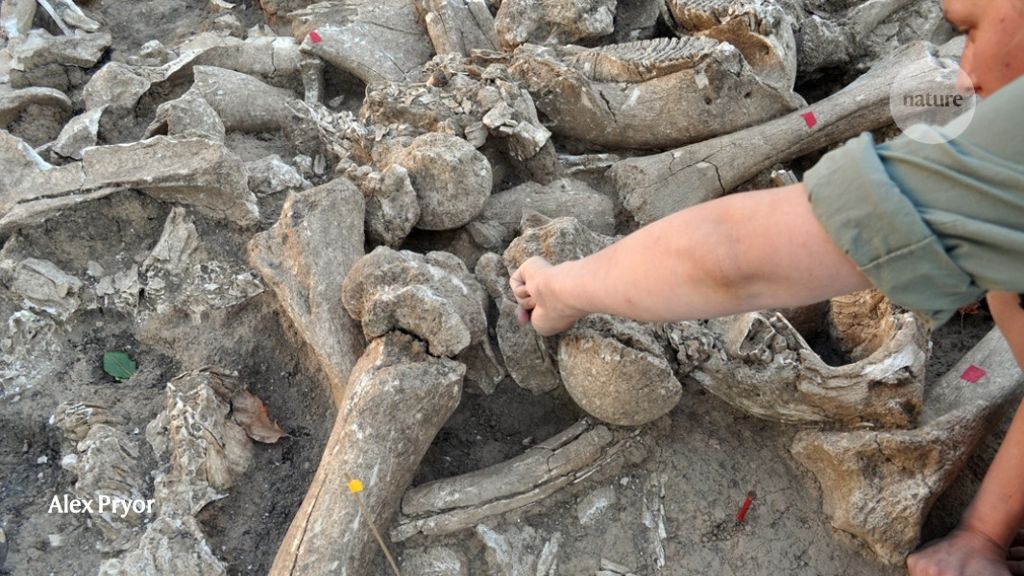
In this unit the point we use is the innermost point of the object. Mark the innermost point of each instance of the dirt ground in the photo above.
(703, 459)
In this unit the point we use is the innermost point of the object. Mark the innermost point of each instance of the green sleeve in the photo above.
(934, 226)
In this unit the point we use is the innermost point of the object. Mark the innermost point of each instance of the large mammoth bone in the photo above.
(397, 399)
(648, 94)
(759, 363)
(880, 485)
(652, 187)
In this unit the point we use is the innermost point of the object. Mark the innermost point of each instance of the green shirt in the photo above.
(933, 226)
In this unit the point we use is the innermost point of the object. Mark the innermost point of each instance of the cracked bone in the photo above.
(190, 116)
(458, 26)
(616, 370)
(304, 258)
(567, 458)
(524, 352)
(433, 297)
(40, 59)
(434, 561)
(760, 29)
(271, 59)
(392, 209)
(648, 94)
(374, 40)
(760, 364)
(396, 401)
(520, 551)
(880, 485)
(651, 187)
(190, 171)
(553, 22)
(66, 12)
(206, 451)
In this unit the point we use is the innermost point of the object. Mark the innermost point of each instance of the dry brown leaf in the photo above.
(249, 412)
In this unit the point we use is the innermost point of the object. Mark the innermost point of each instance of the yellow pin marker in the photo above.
(355, 487)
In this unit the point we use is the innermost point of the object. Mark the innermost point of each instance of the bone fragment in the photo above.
(71, 14)
(880, 485)
(649, 94)
(651, 187)
(397, 399)
(78, 134)
(243, 102)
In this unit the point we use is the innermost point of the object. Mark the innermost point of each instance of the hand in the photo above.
(538, 303)
(961, 553)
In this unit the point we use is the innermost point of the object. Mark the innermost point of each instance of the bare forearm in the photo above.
(998, 509)
(740, 253)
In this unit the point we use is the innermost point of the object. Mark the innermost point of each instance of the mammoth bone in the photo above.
(759, 363)
(651, 187)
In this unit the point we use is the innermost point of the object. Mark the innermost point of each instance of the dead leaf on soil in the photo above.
(249, 412)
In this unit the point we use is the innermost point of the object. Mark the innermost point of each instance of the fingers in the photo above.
(1016, 553)
(1016, 568)
(522, 316)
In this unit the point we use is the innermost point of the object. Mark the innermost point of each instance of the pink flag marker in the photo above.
(314, 37)
(809, 119)
(973, 374)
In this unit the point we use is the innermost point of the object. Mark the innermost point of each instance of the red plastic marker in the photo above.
(742, 514)
(314, 37)
(809, 119)
(973, 374)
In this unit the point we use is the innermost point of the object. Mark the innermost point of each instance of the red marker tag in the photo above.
(809, 119)
(742, 514)
(314, 37)
(973, 374)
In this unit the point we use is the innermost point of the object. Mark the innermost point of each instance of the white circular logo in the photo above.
(930, 94)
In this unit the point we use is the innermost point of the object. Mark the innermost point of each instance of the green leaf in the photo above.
(119, 365)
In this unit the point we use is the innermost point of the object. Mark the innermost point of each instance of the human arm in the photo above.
(744, 252)
(978, 547)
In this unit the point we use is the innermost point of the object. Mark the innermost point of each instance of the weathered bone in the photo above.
(40, 59)
(525, 353)
(397, 399)
(79, 133)
(304, 258)
(567, 458)
(880, 485)
(375, 40)
(759, 363)
(760, 29)
(243, 102)
(553, 21)
(648, 94)
(187, 171)
(458, 26)
(655, 186)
